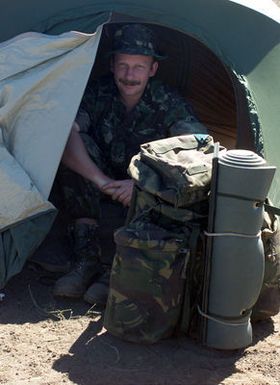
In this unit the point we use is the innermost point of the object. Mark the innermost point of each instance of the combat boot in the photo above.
(97, 293)
(87, 262)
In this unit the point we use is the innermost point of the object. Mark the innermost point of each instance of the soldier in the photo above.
(117, 114)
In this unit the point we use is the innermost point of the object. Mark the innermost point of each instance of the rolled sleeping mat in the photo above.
(235, 257)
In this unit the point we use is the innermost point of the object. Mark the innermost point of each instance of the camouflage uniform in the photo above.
(112, 136)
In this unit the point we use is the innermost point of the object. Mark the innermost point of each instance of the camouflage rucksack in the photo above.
(157, 273)
(155, 250)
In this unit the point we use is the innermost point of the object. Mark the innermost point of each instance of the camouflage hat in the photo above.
(136, 39)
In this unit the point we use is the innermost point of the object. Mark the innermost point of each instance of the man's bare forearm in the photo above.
(76, 158)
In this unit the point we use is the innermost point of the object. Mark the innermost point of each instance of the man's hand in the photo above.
(120, 190)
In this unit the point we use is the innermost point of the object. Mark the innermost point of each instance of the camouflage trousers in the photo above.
(79, 197)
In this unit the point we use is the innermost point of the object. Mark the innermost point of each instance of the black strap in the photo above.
(271, 209)
(268, 208)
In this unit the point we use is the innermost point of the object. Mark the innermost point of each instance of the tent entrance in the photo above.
(199, 76)
(214, 93)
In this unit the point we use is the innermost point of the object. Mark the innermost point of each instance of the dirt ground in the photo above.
(45, 341)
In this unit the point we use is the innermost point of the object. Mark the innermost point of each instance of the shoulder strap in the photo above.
(271, 209)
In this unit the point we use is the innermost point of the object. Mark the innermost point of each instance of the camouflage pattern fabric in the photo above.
(146, 287)
(268, 303)
(152, 208)
(136, 39)
(155, 225)
(160, 113)
(177, 170)
(112, 136)
(157, 274)
(81, 198)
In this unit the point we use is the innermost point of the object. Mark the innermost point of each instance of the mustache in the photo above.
(129, 82)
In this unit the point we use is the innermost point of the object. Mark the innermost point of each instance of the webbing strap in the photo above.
(222, 321)
(268, 208)
(194, 238)
(272, 209)
(233, 235)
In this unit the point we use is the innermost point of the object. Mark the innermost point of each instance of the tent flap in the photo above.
(20, 241)
(41, 84)
(40, 91)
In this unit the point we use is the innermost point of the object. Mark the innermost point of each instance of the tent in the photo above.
(223, 55)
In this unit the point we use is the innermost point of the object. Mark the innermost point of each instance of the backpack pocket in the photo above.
(147, 283)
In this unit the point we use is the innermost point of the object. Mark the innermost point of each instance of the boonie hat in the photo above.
(136, 39)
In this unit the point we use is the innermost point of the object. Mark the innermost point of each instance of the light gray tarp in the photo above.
(40, 92)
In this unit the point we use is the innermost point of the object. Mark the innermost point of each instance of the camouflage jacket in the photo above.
(160, 113)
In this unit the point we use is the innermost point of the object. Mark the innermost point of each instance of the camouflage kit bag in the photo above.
(148, 281)
(177, 170)
(157, 273)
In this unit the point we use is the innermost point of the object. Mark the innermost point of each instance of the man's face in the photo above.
(131, 74)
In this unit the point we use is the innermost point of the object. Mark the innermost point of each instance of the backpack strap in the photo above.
(187, 308)
(271, 209)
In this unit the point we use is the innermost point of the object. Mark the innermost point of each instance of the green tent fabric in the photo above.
(225, 61)
(38, 107)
